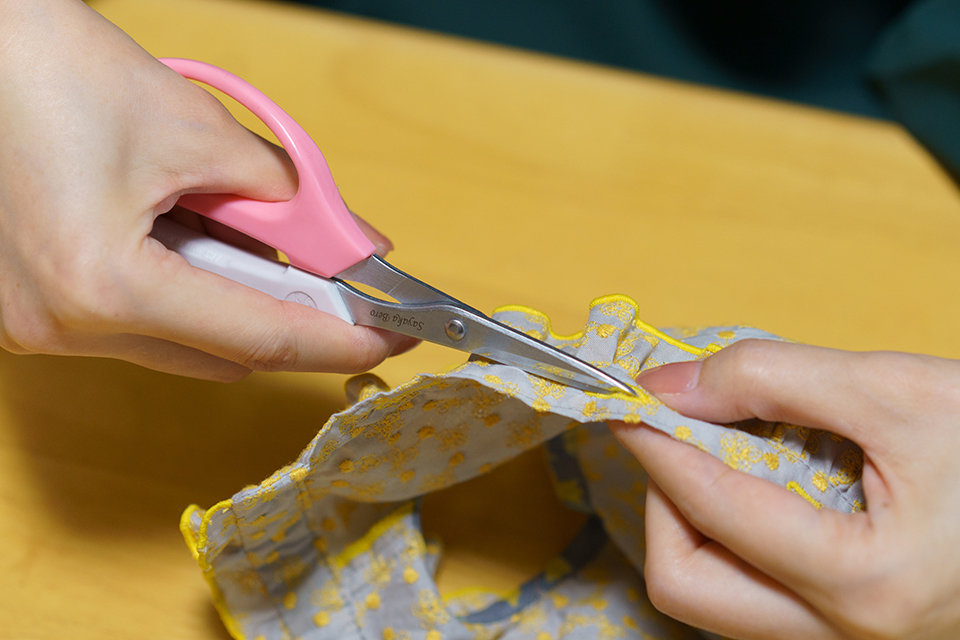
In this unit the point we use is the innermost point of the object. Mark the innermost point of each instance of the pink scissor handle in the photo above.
(314, 228)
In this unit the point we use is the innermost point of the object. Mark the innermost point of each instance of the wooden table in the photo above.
(502, 177)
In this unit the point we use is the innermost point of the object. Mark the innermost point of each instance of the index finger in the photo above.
(772, 529)
(700, 582)
(198, 309)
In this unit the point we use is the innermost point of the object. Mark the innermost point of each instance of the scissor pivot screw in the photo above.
(455, 330)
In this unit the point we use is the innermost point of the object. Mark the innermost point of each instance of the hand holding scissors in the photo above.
(327, 251)
(97, 139)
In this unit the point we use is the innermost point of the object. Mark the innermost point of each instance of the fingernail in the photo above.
(678, 377)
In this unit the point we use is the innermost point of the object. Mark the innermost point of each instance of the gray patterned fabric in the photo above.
(330, 546)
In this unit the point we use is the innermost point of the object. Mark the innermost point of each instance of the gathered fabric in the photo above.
(330, 546)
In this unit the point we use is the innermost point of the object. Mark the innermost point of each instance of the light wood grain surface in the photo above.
(502, 177)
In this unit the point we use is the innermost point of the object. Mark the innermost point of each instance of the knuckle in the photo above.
(197, 109)
(281, 347)
(665, 586)
(199, 123)
(38, 320)
(276, 349)
(79, 301)
(751, 359)
(750, 366)
(912, 380)
(23, 326)
(27, 332)
(215, 121)
(69, 286)
(32, 339)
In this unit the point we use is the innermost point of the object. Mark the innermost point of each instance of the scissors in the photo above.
(327, 250)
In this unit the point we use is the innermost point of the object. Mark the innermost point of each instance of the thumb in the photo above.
(197, 142)
(779, 382)
(228, 158)
(190, 307)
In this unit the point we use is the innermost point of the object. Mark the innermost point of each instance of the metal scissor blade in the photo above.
(460, 327)
(511, 347)
(383, 276)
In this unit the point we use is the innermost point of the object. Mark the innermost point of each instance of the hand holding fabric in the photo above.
(747, 559)
(97, 139)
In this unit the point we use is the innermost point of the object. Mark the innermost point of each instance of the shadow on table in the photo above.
(212, 623)
(113, 453)
(120, 450)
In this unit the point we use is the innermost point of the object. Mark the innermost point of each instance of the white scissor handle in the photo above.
(277, 279)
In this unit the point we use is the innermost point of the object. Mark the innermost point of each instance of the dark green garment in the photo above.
(916, 67)
(811, 51)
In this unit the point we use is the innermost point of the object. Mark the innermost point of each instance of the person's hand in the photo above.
(747, 559)
(96, 140)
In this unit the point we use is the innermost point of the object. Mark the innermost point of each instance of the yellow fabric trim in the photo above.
(363, 545)
(536, 312)
(196, 545)
(187, 532)
(683, 346)
(197, 542)
(201, 540)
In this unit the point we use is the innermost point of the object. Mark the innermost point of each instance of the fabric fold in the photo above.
(330, 546)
